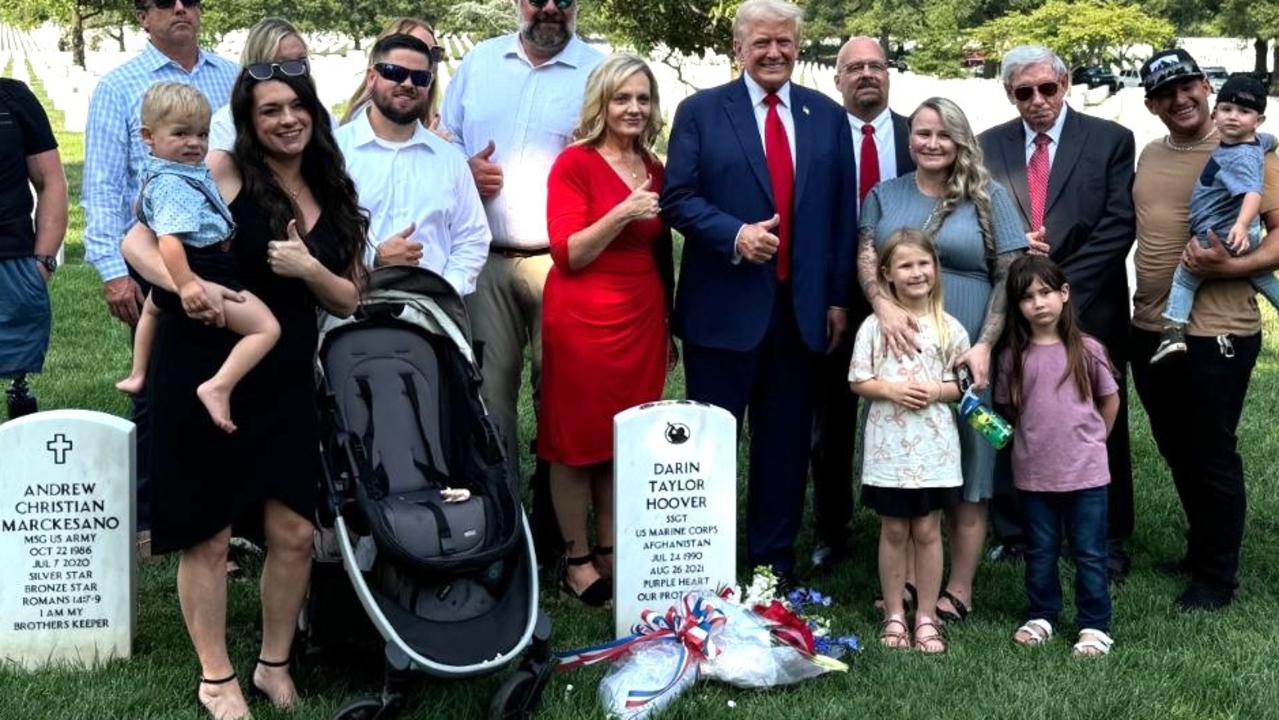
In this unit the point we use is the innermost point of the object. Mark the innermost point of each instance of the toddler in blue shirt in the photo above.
(1226, 201)
(180, 203)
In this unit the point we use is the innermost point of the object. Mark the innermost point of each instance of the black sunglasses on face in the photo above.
(561, 4)
(288, 68)
(1026, 92)
(168, 4)
(398, 73)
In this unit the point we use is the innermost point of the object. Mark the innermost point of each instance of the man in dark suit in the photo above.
(760, 182)
(881, 148)
(1082, 217)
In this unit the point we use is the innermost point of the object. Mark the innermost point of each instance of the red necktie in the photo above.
(782, 174)
(1037, 180)
(869, 171)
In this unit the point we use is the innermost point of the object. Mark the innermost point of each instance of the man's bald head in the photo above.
(861, 74)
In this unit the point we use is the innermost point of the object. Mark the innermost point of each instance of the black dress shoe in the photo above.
(826, 558)
(1118, 564)
(1201, 597)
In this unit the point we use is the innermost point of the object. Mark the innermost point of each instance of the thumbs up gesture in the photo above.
(487, 174)
(398, 249)
(756, 242)
(641, 204)
(291, 257)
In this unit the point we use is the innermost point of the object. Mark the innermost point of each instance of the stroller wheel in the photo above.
(517, 698)
(370, 708)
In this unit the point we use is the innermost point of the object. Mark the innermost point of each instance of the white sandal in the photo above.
(1038, 632)
(1092, 643)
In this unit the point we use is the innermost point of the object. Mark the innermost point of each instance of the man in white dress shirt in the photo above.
(511, 108)
(862, 78)
(423, 206)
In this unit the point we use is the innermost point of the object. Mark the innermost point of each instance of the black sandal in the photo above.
(598, 594)
(258, 693)
(205, 681)
(961, 610)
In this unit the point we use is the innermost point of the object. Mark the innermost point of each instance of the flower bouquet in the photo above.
(761, 642)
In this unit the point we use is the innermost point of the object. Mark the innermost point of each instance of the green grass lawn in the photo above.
(1165, 665)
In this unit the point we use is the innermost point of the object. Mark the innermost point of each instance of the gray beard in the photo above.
(547, 38)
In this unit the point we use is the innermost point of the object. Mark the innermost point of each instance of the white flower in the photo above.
(732, 704)
(569, 688)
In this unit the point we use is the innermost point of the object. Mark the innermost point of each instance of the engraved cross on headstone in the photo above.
(59, 446)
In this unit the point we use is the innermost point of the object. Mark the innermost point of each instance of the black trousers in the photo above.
(1194, 402)
(834, 442)
(141, 417)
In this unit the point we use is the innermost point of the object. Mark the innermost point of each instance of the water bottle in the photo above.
(997, 431)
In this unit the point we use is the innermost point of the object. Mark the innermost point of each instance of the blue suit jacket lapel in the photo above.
(742, 117)
(803, 153)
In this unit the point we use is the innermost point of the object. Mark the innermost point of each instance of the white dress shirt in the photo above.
(529, 113)
(885, 144)
(425, 181)
(757, 95)
(1053, 133)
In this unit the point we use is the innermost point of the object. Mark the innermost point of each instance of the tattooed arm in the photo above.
(895, 324)
(977, 358)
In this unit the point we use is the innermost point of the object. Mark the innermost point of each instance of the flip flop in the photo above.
(961, 610)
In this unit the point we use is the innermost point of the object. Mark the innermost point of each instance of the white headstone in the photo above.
(675, 505)
(67, 565)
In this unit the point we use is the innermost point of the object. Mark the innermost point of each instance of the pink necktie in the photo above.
(869, 171)
(782, 174)
(1037, 180)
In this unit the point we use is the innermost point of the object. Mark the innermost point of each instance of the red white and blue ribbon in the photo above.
(690, 624)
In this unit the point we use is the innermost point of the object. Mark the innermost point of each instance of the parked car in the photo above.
(1217, 76)
(1130, 78)
(1094, 76)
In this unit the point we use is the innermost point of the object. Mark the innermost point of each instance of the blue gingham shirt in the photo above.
(170, 203)
(528, 112)
(114, 153)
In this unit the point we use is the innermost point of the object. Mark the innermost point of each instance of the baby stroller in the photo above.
(450, 584)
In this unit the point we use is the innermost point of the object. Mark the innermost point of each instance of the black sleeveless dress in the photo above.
(204, 480)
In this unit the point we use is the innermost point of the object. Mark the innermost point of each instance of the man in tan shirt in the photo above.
(1194, 401)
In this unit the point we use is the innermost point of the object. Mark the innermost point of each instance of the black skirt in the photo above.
(909, 503)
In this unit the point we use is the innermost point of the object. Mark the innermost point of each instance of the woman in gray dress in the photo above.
(978, 234)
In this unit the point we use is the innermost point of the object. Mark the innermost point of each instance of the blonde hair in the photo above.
(360, 98)
(601, 86)
(910, 237)
(174, 101)
(969, 179)
(752, 10)
(264, 40)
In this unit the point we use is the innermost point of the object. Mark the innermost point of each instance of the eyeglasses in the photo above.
(561, 4)
(1026, 92)
(288, 68)
(398, 73)
(168, 4)
(877, 68)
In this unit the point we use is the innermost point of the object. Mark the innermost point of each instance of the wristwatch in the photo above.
(50, 262)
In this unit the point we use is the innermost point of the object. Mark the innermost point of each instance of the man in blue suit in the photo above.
(760, 181)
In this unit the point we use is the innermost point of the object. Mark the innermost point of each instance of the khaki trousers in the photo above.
(506, 317)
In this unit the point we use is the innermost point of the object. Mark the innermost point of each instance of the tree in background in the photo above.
(70, 15)
(1087, 32)
(1257, 19)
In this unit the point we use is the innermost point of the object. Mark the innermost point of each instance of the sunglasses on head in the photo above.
(168, 4)
(288, 68)
(1026, 92)
(398, 73)
(561, 4)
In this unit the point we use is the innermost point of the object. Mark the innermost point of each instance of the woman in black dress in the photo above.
(299, 239)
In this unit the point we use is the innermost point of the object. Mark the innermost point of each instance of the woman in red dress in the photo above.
(605, 340)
